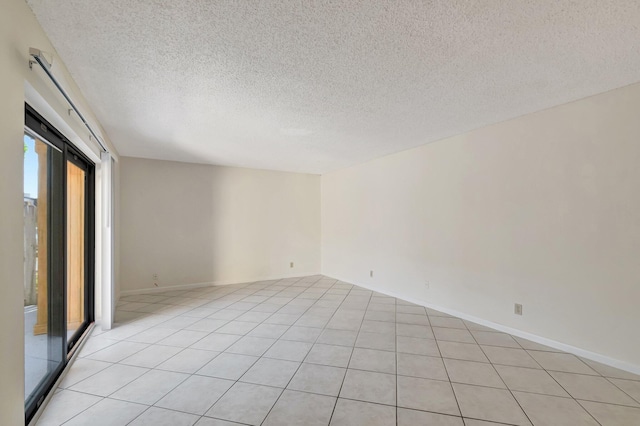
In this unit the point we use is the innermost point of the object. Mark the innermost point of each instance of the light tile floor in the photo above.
(316, 351)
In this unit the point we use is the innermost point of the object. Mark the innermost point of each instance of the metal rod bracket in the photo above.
(39, 58)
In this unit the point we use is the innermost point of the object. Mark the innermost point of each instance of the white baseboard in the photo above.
(150, 290)
(603, 359)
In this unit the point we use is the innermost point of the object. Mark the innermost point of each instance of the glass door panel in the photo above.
(76, 178)
(43, 333)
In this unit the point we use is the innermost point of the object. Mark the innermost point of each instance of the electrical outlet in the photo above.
(291, 265)
(155, 280)
(371, 274)
(426, 285)
(517, 309)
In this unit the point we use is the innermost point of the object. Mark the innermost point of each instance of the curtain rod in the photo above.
(38, 58)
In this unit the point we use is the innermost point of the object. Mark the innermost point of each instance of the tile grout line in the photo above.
(568, 393)
(637, 400)
(177, 385)
(178, 311)
(275, 341)
(285, 388)
(149, 406)
(498, 374)
(95, 403)
(455, 396)
(223, 351)
(351, 355)
(258, 358)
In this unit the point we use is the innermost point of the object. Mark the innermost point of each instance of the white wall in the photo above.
(192, 223)
(117, 233)
(542, 210)
(19, 31)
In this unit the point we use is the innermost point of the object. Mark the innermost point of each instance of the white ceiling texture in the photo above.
(314, 86)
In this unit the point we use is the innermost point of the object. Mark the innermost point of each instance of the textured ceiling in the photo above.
(313, 86)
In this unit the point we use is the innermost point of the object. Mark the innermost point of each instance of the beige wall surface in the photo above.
(542, 210)
(19, 30)
(193, 224)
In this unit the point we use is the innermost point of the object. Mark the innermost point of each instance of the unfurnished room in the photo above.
(320, 213)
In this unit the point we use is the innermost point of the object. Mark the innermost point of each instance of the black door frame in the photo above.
(76, 157)
(57, 248)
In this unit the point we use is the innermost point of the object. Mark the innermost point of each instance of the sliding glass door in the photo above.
(45, 344)
(58, 254)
